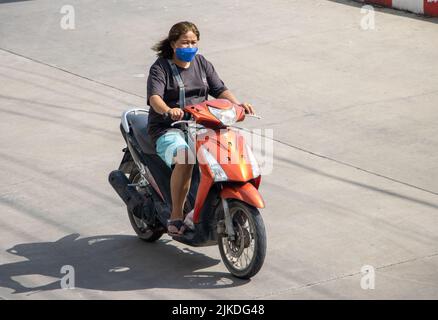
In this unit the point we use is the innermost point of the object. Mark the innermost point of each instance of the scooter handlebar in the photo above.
(186, 116)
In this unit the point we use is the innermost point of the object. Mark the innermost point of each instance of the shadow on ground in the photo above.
(113, 263)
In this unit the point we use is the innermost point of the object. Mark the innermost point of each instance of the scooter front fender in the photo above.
(244, 192)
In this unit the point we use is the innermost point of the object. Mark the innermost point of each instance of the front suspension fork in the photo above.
(229, 229)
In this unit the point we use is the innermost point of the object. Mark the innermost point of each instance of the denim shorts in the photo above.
(168, 145)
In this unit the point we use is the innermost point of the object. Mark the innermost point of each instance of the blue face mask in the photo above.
(186, 54)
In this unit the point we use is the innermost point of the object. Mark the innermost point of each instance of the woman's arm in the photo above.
(158, 104)
(161, 107)
(216, 85)
(227, 94)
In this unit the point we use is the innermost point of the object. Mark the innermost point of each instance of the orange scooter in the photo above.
(223, 195)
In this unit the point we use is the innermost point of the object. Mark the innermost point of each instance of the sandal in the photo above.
(175, 228)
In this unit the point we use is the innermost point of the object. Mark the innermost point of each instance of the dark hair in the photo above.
(164, 49)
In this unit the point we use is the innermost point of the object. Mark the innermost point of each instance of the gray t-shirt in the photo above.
(200, 80)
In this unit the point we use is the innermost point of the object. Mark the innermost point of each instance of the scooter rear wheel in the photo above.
(144, 232)
(244, 256)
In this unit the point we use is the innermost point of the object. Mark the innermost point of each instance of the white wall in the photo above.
(416, 6)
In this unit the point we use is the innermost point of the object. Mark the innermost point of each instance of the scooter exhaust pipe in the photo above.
(128, 194)
(133, 199)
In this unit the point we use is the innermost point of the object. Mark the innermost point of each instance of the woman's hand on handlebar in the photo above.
(248, 107)
(175, 114)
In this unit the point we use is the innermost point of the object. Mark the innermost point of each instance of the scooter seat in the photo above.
(139, 126)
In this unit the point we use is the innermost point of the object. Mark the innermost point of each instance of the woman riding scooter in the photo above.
(180, 77)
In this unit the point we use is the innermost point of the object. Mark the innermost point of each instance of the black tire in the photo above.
(239, 209)
(143, 231)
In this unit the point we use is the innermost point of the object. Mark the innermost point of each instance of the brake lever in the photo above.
(253, 116)
(181, 121)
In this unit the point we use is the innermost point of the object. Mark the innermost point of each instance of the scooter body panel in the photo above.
(227, 146)
(246, 192)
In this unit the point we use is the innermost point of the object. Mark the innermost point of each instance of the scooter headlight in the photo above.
(227, 116)
(218, 173)
(253, 161)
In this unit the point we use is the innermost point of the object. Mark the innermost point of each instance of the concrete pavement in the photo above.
(355, 152)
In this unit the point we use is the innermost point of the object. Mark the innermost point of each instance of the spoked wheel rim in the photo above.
(240, 252)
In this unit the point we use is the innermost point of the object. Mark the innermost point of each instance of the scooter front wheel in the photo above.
(244, 255)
